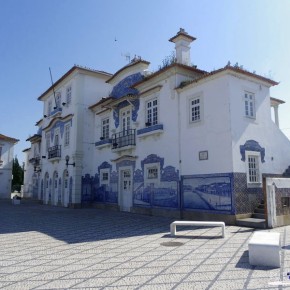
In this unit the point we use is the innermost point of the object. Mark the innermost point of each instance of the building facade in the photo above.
(181, 141)
(58, 153)
(6, 164)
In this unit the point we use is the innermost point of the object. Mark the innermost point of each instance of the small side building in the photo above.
(6, 163)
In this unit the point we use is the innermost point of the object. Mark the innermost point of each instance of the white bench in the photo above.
(196, 223)
(264, 249)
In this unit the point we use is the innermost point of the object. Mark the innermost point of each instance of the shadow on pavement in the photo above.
(77, 225)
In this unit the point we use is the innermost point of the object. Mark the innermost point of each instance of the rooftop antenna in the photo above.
(127, 56)
(52, 88)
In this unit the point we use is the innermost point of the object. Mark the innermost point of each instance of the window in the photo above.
(58, 100)
(249, 105)
(66, 134)
(195, 110)
(126, 120)
(253, 167)
(49, 109)
(56, 139)
(47, 137)
(152, 112)
(152, 173)
(105, 128)
(105, 176)
(68, 95)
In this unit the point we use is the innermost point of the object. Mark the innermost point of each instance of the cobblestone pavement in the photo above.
(43, 247)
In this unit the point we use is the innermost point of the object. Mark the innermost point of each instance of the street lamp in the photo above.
(67, 160)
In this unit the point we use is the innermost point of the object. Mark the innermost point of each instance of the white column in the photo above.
(276, 115)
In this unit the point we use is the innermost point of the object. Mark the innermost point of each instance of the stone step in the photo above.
(258, 216)
(259, 210)
(252, 223)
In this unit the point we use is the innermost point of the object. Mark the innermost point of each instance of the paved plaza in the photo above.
(43, 247)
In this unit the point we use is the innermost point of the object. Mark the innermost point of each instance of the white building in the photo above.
(6, 164)
(63, 146)
(179, 142)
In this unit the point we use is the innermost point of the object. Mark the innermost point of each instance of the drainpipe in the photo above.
(179, 144)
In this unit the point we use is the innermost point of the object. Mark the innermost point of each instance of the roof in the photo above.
(27, 149)
(75, 67)
(35, 137)
(8, 139)
(103, 100)
(233, 69)
(56, 119)
(183, 33)
(175, 64)
(278, 101)
(132, 63)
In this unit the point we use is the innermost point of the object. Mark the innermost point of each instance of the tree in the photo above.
(17, 172)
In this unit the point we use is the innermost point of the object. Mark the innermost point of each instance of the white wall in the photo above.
(211, 134)
(261, 129)
(6, 169)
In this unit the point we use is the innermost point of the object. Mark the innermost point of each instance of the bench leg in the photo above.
(223, 231)
(173, 229)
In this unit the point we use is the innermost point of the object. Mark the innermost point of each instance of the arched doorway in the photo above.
(54, 189)
(46, 188)
(65, 189)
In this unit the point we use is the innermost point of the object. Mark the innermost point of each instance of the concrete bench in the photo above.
(264, 249)
(196, 223)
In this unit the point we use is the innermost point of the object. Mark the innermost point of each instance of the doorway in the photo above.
(126, 190)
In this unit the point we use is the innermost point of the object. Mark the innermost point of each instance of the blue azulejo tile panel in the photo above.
(150, 129)
(87, 195)
(252, 145)
(246, 199)
(135, 109)
(94, 191)
(124, 87)
(210, 192)
(150, 195)
(162, 193)
(103, 142)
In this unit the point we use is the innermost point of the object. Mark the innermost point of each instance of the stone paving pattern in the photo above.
(43, 247)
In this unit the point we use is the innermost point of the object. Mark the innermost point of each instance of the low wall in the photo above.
(278, 202)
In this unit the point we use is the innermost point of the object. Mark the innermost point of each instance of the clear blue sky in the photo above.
(38, 34)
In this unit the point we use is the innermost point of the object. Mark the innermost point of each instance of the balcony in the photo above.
(54, 152)
(35, 160)
(124, 140)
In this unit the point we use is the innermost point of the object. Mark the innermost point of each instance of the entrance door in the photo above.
(126, 196)
(65, 190)
(125, 122)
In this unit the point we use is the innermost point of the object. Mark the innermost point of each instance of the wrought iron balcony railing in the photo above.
(124, 138)
(54, 152)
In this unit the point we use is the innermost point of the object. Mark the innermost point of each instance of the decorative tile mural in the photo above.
(225, 193)
(135, 109)
(163, 193)
(208, 192)
(124, 87)
(246, 199)
(252, 145)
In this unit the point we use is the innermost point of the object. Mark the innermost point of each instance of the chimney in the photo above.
(182, 42)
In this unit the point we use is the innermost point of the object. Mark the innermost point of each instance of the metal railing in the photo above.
(54, 152)
(124, 138)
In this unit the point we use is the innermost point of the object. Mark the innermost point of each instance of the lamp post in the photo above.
(67, 161)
